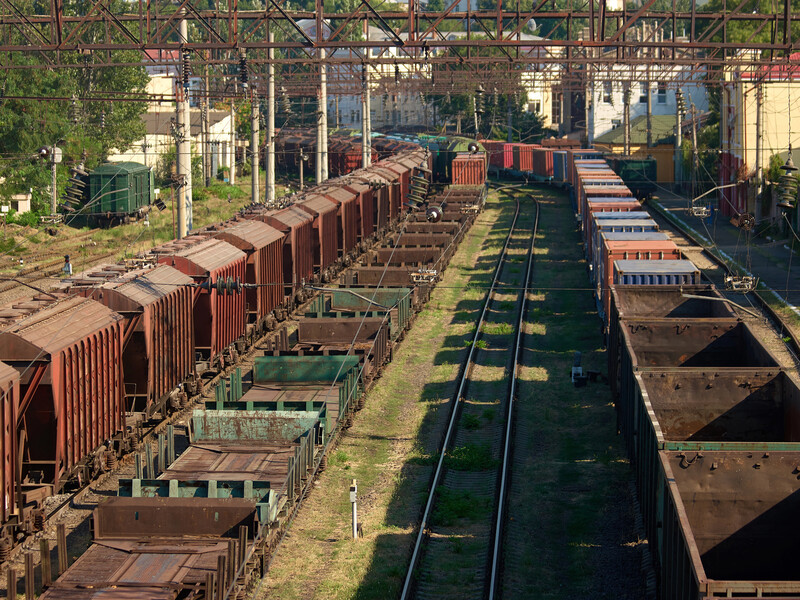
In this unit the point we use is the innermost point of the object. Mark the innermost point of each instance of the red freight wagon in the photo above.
(263, 246)
(380, 196)
(591, 188)
(218, 314)
(393, 183)
(468, 169)
(325, 224)
(542, 159)
(347, 219)
(494, 148)
(298, 254)
(365, 200)
(403, 174)
(614, 250)
(9, 396)
(69, 355)
(607, 205)
(158, 345)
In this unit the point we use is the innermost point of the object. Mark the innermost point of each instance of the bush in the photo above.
(27, 219)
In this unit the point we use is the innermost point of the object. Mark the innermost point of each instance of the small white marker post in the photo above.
(353, 502)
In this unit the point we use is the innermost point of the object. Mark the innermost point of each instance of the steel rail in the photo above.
(504, 473)
(451, 425)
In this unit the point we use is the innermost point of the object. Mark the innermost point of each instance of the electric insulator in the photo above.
(396, 74)
(186, 70)
(73, 110)
(102, 119)
(788, 184)
(243, 77)
(433, 214)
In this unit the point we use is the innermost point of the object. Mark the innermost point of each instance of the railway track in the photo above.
(696, 246)
(459, 544)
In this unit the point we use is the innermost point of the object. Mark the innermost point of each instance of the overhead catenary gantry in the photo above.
(591, 34)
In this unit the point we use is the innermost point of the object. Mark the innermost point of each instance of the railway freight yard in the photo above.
(394, 301)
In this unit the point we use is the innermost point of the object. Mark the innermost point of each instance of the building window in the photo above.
(662, 93)
(643, 93)
(535, 106)
(607, 92)
(616, 122)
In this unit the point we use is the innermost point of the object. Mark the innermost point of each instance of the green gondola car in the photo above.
(639, 174)
(113, 193)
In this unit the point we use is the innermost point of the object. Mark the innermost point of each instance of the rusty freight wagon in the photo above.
(158, 342)
(263, 246)
(298, 256)
(347, 217)
(325, 244)
(9, 481)
(367, 209)
(392, 182)
(218, 269)
(69, 355)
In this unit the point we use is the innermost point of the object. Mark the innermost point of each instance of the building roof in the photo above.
(663, 131)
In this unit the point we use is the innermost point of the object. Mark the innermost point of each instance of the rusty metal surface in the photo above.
(9, 407)
(248, 234)
(405, 256)
(694, 344)
(436, 240)
(237, 461)
(645, 301)
(344, 330)
(133, 518)
(737, 510)
(703, 406)
(198, 256)
(53, 328)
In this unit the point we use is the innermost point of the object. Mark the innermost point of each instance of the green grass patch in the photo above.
(453, 506)
(472, 457)
(498, 328)
(471, 422)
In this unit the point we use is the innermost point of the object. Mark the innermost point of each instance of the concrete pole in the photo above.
(626, 118)
(367, 116)
(254, 175)
(323, 97)
(54, 180)
(677, 139)
(365, 155)
(510, 118)
(354, 505)
(205, 134)
(232, 151)
(649, 112)
(696, 155)
(318, 149)
(270, 124)
(759, 134)
(184, 147)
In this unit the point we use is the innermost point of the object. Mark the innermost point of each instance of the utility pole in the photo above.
(649, 111)
(232, 153)
(301, 161)
(55, 158)
(184, 145)
(254, 174)
(365, 134)
(695, 155)
(510, 118)
(678, 111)
(270, 124)
(626, 117)
(206, 133)
(759, 134)
(323, 97)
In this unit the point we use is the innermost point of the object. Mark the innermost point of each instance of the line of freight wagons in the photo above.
(136, 337)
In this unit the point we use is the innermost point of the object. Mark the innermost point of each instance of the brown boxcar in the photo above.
(325, 223)
(218, 315)
(69, 355)
(298, 255)
(403, 175)
(469, 169)
(263, 246)
(347, 219)
(158, 343)
(380, 196)
(393, 185)
(9, 395)
(365, 199)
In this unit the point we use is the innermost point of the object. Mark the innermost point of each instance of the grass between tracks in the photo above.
(571, 532)
(390, 448)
